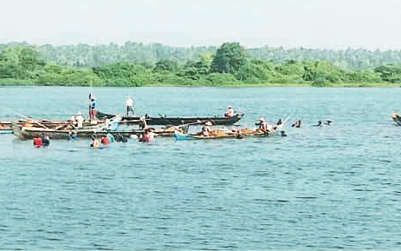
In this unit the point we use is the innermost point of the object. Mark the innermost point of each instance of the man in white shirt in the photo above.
(79, 119)
(230, 112)
(129, 104)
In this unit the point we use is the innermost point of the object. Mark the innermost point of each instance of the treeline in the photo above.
(83, 55)
(230, 64)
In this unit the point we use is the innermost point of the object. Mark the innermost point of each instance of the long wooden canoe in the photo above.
(225, 134)
(174, 121)
(25, 133)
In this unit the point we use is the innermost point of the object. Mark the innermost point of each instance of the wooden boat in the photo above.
(224, 134)
(42, 123)
(25, 133)
(174, 121)
(5, 128)
(396, 118)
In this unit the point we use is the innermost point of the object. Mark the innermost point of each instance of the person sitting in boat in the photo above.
(142, 123)
(129, 104)
(230, 112)
(45, 140)
(206, 129)
(328, 122)
(264, 126)
(79, 120)
(37, 142)
(147, 136)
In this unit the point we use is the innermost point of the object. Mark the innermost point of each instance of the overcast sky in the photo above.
(291, 23)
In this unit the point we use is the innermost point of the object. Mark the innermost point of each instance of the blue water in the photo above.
(318, 188)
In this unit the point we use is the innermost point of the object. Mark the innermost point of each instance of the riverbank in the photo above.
(16, 83)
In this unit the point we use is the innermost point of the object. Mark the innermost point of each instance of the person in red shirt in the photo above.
(147, 136)
(105, 140)
(37, 142)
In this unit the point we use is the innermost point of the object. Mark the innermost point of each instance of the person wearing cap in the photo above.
(129, 104)
(230, 112)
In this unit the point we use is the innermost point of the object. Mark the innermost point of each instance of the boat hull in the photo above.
(6, 131)
(175, 121)
(242, 133)
(26, 133)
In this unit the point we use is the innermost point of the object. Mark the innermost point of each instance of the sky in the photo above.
(331, 24)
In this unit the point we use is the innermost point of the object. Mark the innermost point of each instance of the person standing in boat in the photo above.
(92, 107)
(129, 104)
(230, 112)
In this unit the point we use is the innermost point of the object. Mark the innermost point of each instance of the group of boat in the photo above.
(128, 126)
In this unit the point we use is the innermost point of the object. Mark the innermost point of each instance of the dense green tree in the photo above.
(83, 55)
(229, 58)
(135, 64)
(124, 74)
(221, 78)
(195, 69)
(389, 73)
(166, 65)
(19, 62)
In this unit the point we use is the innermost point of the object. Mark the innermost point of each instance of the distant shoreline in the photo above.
(236, 85)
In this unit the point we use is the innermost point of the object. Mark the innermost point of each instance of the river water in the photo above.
(319, 188)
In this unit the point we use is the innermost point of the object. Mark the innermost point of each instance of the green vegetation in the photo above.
(230, 64)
